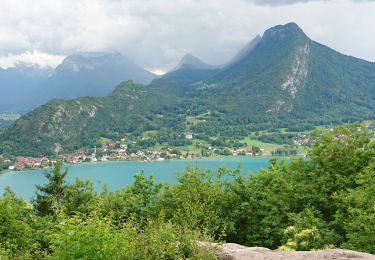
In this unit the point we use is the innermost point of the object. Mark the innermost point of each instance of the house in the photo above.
(188, 136)
(29, 162)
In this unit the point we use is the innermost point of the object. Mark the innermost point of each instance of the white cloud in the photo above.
(157, 33)
(44, 60)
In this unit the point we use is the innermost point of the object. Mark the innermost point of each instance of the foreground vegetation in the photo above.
(324, 202)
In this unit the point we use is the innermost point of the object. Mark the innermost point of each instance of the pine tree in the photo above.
(49, 196)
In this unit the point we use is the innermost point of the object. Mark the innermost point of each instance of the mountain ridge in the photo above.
(287, 80)
(81, 74)
(244, 51)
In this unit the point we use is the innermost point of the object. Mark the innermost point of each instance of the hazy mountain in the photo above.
(244, 51)
(92, 74)
(189, 61)
(19, 82)
(84, 74)
(285, 80)
(189, 70)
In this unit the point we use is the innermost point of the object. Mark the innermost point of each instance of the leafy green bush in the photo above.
(357, 210)
(197, 201)
(15, 232)
(96, 237)
(307, 232)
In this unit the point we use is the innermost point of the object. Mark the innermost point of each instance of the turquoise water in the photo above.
(120, 174)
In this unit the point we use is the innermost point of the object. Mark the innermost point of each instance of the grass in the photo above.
(192, 121)
(267, 147)
(147, 134)
(252, 142)
(192, 148)
(103, 140)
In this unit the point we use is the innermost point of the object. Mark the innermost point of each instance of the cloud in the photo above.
(282, 2)
(289, 2)
(157, 33)
(44, 60)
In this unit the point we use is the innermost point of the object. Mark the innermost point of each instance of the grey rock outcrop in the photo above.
(237, 252)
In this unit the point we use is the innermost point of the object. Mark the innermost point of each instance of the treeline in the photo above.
(326, 201)
(285, 152)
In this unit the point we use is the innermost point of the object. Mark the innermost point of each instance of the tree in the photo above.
(15, 233)
(357, 210)
(51, 194)
(307, 231)
(79, 197)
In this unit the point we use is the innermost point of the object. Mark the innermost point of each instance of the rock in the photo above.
(231, 251)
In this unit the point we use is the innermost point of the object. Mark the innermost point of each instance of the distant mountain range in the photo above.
(18, 83)
(282, 79)
(83, 74)
(191, 69)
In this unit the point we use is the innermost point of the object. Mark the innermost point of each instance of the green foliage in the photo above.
(325, 201)
(340, 154)
(260, 205)
(337, 157)
(52, 193)
(357, 209)
(95, 237)
(307, 232)
(15, 232)
(196, 201)
(131, 201)
(79, 197)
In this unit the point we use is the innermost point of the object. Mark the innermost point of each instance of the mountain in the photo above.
(83, 74)
(244, 51)
(94, 74)
(285, 80)
(192, 70)
(65, 125)
(188, 61)
(287, 76)
(90, 74)
(189, 70)
(19, 82)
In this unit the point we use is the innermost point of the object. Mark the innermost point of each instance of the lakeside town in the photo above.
(118, 150)
(123, 149)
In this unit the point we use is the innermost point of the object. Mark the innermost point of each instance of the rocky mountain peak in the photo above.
(284, 31)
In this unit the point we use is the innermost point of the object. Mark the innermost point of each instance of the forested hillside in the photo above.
(285, 80)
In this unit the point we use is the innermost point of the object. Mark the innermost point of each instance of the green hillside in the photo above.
(288, 77)
(286, 81)
(61, 125)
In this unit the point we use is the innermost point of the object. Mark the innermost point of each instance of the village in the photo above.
(119, 150)
(105, 154)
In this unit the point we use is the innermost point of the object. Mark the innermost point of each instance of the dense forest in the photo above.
(325, 201)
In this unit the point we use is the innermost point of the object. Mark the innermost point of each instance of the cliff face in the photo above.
(237, 252)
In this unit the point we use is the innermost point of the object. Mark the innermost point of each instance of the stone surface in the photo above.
(231, 251)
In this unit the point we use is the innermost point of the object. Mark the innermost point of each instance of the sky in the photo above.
(157, 33)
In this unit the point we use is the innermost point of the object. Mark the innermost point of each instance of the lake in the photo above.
(120, 174)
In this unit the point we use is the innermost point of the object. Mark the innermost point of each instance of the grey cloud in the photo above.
(283, 2)
(157, 33)
(289, 2)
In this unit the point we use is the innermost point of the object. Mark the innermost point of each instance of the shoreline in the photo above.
(158, 161)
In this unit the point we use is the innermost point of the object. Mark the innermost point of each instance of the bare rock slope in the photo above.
(237, 252)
